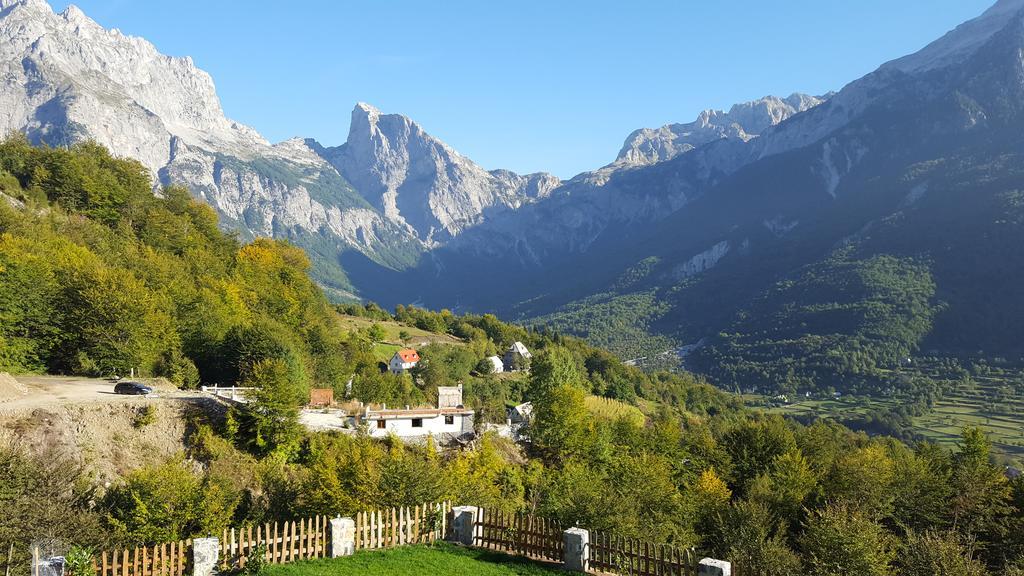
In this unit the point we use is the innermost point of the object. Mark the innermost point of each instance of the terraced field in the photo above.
(991, 399)
(998, 414)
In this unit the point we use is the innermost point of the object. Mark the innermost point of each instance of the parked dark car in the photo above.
(136, 388)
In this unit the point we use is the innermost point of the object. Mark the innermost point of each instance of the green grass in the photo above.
(416, 561)
(383, 351)
(609, 409)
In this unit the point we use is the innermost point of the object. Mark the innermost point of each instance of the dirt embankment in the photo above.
(83, 419)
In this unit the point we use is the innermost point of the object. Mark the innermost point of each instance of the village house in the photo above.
(497, 366)
(449, 420)
(517, 357)
(403, 360)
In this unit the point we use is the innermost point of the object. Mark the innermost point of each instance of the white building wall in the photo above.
(434, 425)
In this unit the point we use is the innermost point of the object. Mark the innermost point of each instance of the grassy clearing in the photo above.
(609, 409)
(415, 337)
(393, 330)
(416, 561)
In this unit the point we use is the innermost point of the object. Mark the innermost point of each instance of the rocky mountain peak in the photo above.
(743, 121)
(960, 42)
(421, 183)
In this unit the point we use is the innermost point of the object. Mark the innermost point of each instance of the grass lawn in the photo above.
(418, 560)
(417, 336)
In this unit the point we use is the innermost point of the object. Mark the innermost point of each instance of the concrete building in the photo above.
(449, 396)
(419, 422)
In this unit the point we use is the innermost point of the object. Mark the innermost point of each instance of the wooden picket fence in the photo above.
(169, 559)
(290, 541)
(285, 542)
(421, 524)
(631, 557)
(519, 534)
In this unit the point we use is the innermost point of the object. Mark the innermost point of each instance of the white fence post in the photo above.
(205, 552)
(576, 555)
(712, 567)
(463, 526)
(343, 537)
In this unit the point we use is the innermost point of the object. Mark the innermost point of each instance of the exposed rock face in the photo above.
(419, 182)
(65, 79)
(743, 121)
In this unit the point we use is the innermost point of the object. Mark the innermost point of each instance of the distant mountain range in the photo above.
(765, 242)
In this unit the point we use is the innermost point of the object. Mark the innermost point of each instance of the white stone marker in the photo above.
(463, 524)
(205, 552)
(343, 537)
(712, 567)
(576, 554)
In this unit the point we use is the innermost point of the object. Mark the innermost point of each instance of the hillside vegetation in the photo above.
(99, 276)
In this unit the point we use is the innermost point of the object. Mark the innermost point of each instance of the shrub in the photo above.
(145, 416)
(79, 561)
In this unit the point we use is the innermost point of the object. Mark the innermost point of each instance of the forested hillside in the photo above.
(99, 276)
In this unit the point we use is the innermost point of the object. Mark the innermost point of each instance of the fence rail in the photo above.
(169, 559)
(628, 556)
(286, 542)
(400, 526)
(520, 534)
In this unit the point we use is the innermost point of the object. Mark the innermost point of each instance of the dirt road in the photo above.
(30, 392)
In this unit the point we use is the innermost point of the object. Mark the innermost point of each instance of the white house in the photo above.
(516, 356)
(496, 364)
(521, 414)
(403, 360)
(419, 422)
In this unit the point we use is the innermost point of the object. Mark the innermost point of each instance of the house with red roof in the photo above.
(403, 360)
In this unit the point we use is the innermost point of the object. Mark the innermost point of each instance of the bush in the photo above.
(842, 542)
(935, 553)
(256, 561)
(145, 416)
(79, 561)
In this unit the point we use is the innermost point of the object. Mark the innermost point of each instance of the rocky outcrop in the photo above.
(421, 183)
(743, 122)
(66, 79)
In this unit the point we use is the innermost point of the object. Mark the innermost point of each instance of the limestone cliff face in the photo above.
(743, 122)
(66, 79)
(390, 193)
(421, 183)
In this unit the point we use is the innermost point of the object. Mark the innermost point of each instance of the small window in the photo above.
(449, 419)
(417, 422)
(382, 424)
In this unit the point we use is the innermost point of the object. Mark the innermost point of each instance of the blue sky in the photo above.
(528, 85)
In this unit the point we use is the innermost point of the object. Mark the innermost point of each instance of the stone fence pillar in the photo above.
(205, 553)
(463, 525)
(712, 567)
(576, 555)
(343, 537)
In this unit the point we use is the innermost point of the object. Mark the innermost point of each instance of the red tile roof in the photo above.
(408, 355)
